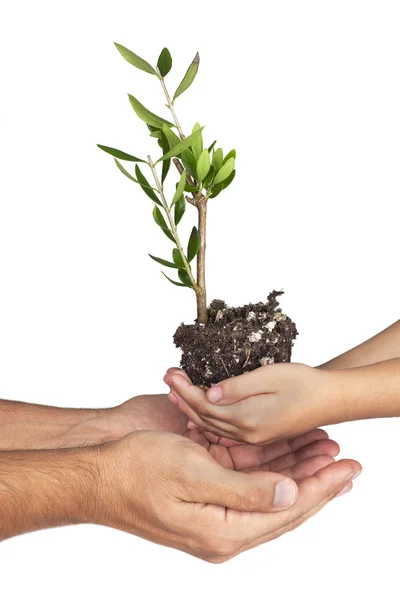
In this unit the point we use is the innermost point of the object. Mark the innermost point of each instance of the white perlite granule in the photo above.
(270, 325)
(266, 360)
(251, 316)
(255, 336)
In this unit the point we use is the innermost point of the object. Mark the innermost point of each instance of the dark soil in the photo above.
(235, 340)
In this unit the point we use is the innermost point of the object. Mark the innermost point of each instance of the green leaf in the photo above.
(174, 282)
(146, 187)
(135, 60)
(184, 277)
(231, 154)
(166, 263)
(124, 171)
(120, 154)
(189, 162)
(228, 180)
(177, 258)
(183, 145)
(159, 219)
(173, 139)
(179, 188)
(203, 165)
(193, 245)
(217, 159)
(164, 62)
(167, 163)
(222, 186)
(189, 76)
(217, 189)
(190, 188)
(212, 146)
(180, 208)
(225, 171)
(156, 134)
(197, 146)
(209, 178)
(147, 116)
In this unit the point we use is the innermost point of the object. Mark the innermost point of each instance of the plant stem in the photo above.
(202, 313)
(171, 105)
(173, 226)
(200, 202)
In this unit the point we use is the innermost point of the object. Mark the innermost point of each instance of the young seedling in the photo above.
(223, 341)
(204, 173)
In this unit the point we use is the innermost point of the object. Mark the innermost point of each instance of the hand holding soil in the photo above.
(283, 400)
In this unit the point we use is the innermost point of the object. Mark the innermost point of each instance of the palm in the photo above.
(297, 458)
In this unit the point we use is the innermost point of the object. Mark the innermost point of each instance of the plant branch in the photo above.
(200, 202)
(170, 105)
(173, 226)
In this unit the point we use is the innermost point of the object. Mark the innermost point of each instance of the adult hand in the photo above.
(171, 491)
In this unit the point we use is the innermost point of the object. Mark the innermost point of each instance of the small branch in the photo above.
(170, 105)
(173, 226)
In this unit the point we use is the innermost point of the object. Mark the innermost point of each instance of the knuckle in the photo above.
(252, 436)
(252, 498)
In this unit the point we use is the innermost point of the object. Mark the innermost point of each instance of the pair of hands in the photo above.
(270, 403)
(210, 496)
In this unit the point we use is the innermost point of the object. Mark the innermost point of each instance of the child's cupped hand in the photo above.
(270, 403)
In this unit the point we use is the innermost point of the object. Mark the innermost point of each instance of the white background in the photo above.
(308, 92)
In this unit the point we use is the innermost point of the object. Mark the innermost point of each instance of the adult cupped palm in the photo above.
(207, 496)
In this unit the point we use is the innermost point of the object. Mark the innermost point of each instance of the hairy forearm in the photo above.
(368, 392)
(382, 346)
(33, 426)
(47, 488)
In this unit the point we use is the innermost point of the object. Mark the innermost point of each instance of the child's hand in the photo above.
(270, 403)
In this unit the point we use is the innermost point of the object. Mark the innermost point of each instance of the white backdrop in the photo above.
(308, 92)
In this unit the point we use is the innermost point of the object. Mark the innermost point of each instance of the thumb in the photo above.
(229, 391)
(247, 492)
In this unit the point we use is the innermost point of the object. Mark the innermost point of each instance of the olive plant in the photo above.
(203, 173)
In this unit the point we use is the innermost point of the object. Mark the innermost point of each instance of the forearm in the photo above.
(33, 426)
(383, 346)
(47, 488)
(368, 392)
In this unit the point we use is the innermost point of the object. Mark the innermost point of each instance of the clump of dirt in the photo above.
(235, 340)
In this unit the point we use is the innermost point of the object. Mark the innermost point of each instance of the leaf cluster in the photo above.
(205, 170)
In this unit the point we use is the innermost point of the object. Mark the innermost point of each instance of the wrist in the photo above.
(331, 403)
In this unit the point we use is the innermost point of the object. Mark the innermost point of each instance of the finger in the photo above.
(321, 447)
(173, 370)
(300, 470)
(260, 492)
(314, 493)
(246, 456)
(194, 417)
(196, 399)
(229, 391)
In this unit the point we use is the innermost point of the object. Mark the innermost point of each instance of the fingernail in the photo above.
(356, 475)
(173, 397)
(168, 380)
(191, 425)
(343, 492)
(285, 494)
(215, 394)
